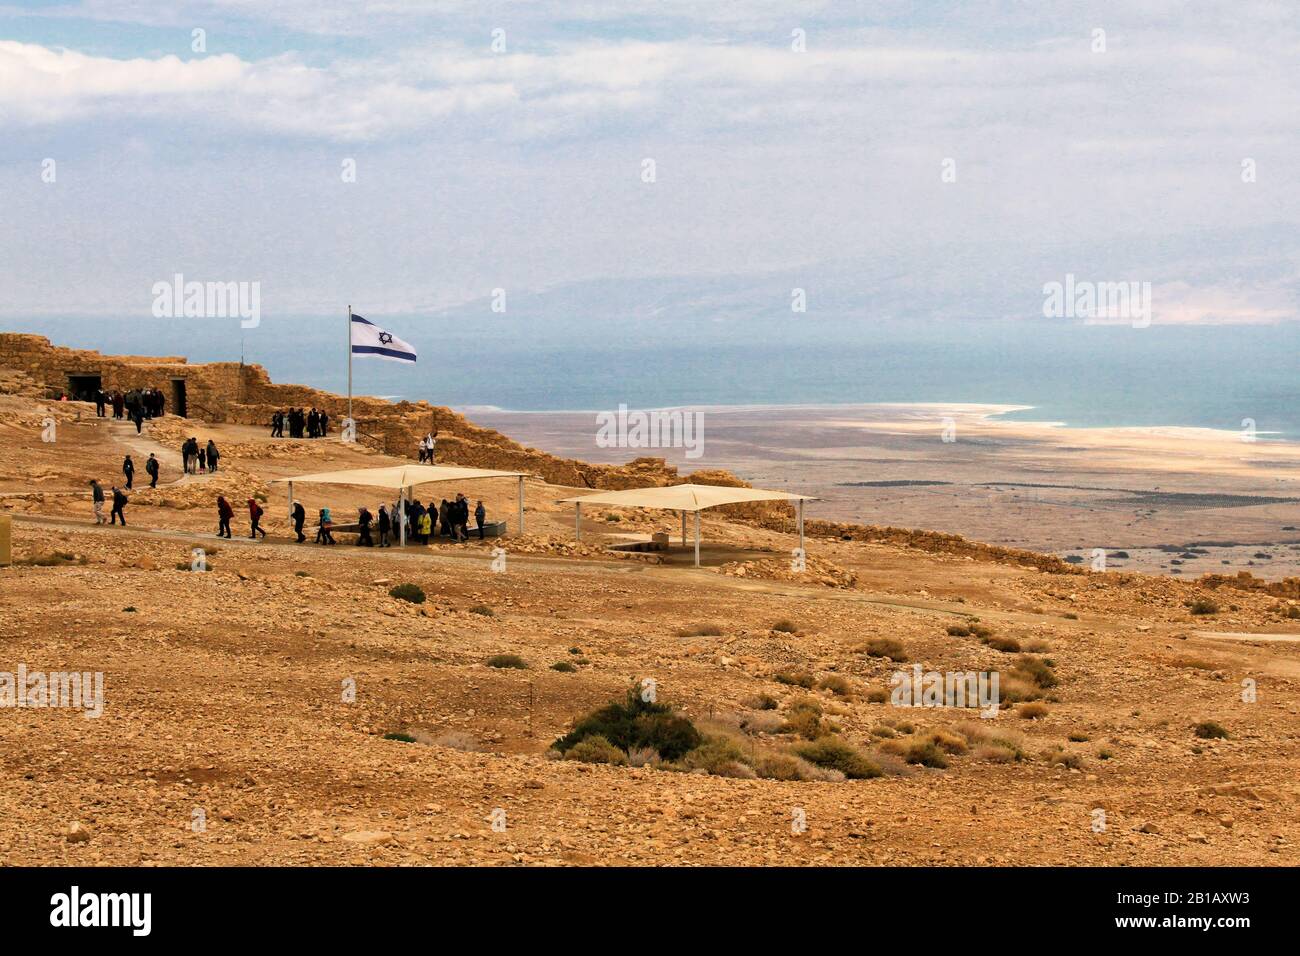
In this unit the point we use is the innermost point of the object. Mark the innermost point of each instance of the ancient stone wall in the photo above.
(245, 394)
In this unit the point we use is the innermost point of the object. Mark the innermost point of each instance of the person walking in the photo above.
(202, 453)
(151, 469)
(224, 514)
(119, 502)
(101, 399)
(212, 457)
(384, 526)
(299, 519)
(128, 469)
(323, 535)
(364, 518)
(254, 516)
(480, 515)
(97, 500)
(137, 416)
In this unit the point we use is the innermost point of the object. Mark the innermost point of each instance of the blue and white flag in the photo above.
(370, 339)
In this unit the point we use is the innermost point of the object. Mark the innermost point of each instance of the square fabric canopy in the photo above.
(403, 477)
(685, 498)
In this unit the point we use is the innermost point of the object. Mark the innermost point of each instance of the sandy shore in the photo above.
(1153, 494)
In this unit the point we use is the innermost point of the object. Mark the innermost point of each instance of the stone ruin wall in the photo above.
(245, 394)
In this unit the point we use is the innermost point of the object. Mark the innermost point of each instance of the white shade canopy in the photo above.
(684, 497)
(399, 476)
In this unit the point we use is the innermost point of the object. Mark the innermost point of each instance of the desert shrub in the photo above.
(837, 685)
(408, 592)
(949, 741)
(1070, 616)
(716, 755)
(564, 667)
(785, 626)
(1063, 758)
(925, 753)
(782, 766)
(1078, 737)
(958, 630)
(1105, 753)
(1007, 645)
(634, 722)
(452, 739)
(885, 647)
(700, 630)
(1032, 711)
(482, 610)
(877, 695)
(595, 749)
(508, 661)
(795, 679)
(129, 609)
(880, 730)
(404, 738)
(805, 722)
(1036, 670)
(762, 701)
(1035, 645)
(981, 631)
(1204, 606)
(643, 757)
(1210, 730)
(763, 722)
(835, 754)
(994, 754)
(986, 734)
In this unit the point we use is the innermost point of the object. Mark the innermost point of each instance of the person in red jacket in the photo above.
(254, 516)
(224, 514)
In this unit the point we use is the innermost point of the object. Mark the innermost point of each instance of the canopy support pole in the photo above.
(800, 509)
(697, 539)
(521, 505)
(401, 515)
(683, 529)
(577, 521)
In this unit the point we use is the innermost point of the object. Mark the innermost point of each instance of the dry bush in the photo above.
(786, 626)
(958, 630)
(1032, 711)
(452, 739)
(877, 695)
(595, 749)
(643, 757)
(837, 684)
(1210, 730)
(885, 647)
(835, 754)
(802, 679)
(1007, 645)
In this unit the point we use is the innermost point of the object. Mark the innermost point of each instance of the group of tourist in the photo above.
(450, 519)
(313, 424)
(197, 459)
(148, 401)
(119, 503)
(225, 513)
(150, 469)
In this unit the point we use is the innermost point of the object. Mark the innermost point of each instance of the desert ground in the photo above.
(228, 735)
(1178, 501)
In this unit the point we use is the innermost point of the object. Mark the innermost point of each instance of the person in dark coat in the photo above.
(299, 519)
(119, 502)
(203, 458)
(324, 423)
(385, 525)
(254, 516)
(480, 515)
(137, 416)
(101, 399)
(212, 457)
(151, 469)
(364, 518)
(97, 499)
(128, 469)
(224, 514)
(444, 518)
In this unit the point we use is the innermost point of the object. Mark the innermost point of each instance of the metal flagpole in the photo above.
(349, 421)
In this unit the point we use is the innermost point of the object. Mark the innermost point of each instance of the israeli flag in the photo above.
(370, 339)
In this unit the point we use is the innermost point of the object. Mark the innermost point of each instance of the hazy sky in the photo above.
(522, 168)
